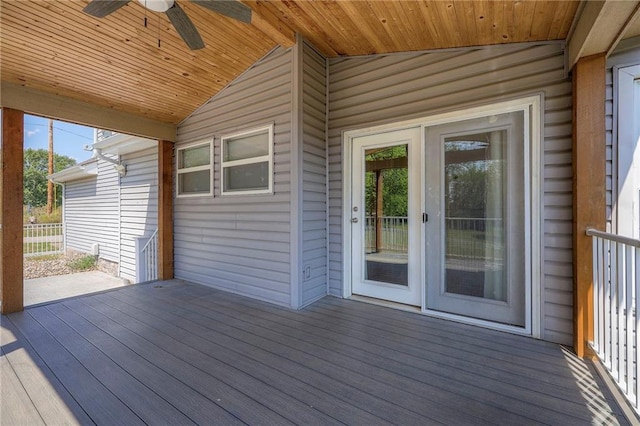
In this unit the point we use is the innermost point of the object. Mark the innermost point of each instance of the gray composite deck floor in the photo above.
(178, 353)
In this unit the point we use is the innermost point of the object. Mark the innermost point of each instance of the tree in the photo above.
(395, 189)
(35, 175)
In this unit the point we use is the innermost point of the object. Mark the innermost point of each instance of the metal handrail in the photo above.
(616, 326)
(591, 232)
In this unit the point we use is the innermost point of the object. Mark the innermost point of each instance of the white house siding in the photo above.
(138, 206)
(627, 54)
(314, 177)
(91, 216)
(382, 89)
(241, 243)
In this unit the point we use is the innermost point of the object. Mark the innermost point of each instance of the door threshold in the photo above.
(521, 331)
(385, 303)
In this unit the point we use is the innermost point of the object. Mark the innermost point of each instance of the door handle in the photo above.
(354, 220)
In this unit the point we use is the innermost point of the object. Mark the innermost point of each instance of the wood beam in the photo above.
(392, 163)
(37, 102)
(11, 199)
(600, 27)
(271, 25)
(588, 187)
(165, 210)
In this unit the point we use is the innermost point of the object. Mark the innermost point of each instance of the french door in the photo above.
(475, 243)
(385, 218)
(439, 217)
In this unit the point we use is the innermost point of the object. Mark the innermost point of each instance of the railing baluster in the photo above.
(628, 318)
(149, 255)
(620, 287)
(596, 292)
(636, 358)
(616, 281)
(607, 307)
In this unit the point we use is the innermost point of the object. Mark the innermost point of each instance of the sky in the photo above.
(68, 139)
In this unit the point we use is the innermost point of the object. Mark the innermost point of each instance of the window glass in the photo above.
(247, 162)
(193, 157)
(194, 170)
(194, 182)
(246, 147)
(247, 177)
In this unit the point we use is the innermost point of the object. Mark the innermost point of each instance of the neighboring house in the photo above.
(109, 213)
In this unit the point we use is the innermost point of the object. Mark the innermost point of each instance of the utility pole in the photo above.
(49, 183)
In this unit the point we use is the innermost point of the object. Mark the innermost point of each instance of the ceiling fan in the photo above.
(183, 25)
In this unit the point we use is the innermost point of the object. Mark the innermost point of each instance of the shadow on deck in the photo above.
(177, 353)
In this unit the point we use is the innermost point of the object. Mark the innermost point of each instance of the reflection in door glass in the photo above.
(475, 190)
(386, 226)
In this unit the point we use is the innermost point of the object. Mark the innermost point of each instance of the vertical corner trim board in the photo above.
(165, 210)
(588, 186)
(11, 199)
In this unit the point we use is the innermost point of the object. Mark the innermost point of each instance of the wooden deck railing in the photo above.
(616, 285)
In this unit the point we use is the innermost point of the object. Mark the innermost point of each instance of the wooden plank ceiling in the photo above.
(117, 62)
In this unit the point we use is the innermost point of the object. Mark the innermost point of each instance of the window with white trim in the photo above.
(194, 168)
(247, 162)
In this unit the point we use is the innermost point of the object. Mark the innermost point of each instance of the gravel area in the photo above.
(49, 266)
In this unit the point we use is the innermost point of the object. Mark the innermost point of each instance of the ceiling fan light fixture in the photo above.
(157, 5)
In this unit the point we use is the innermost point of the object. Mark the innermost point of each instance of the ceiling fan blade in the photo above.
(231, 8)
(101, 8)
(185, 27)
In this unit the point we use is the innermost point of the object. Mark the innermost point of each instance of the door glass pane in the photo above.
(475, 211)
(386, 221)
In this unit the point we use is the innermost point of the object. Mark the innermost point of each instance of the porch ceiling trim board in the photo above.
(600, 27)
(38, 102)
(589, 204)
(11, 199)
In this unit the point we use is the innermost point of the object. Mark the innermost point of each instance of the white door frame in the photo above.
(533, 160)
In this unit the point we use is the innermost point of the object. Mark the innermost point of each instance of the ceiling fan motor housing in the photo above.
(157, 5)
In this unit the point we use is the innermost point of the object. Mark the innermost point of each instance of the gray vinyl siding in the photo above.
(138, 206)
(91, 213)
(241, 243)
(314, 177)
(627, 55)
(381, 89)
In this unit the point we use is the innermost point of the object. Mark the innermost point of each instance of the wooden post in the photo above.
(588, 187)
(165, 210)
(379, 208)
(11, 199)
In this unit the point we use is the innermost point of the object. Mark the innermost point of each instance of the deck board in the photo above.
(507, 395)
(53, 401)
(14, 395)
(173, 352)
(93, 396)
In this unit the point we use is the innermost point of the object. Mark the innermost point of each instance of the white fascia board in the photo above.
(79, 171)
(121, 144)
